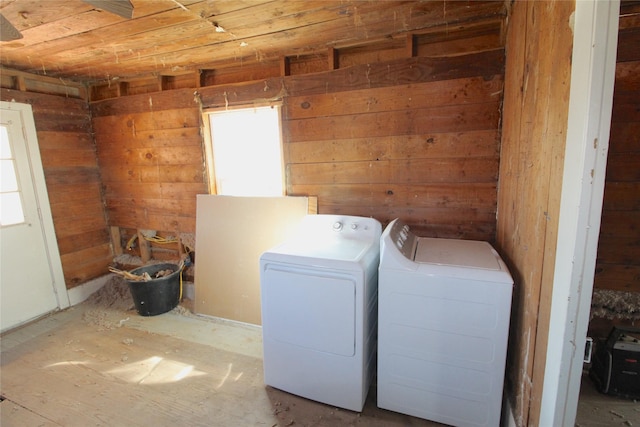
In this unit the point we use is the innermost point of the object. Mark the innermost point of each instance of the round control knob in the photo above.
(337, 226)
(354, 226)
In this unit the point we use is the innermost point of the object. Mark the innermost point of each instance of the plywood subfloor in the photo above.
(81, 374)
(101, 364)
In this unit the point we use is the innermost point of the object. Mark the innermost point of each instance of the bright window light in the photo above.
(247, 153)
(11, 211)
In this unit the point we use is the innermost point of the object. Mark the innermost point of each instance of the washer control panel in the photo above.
(403, 239)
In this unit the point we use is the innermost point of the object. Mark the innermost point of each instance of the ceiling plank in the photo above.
(72, 39)
(310, 36)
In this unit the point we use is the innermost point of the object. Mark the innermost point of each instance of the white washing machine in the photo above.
(319, 310)
(443, 322)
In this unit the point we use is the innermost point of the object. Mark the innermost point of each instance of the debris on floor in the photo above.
(114, 294)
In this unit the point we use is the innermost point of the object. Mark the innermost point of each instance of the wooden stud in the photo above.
(116, 240)
(206, 78)
(334, 58)
(20, 83)
(145, 247)
(312, 205)
(165, 82)
(123, 89)
(285, 66)
(25, 82)
(412, 48)
(181, 253)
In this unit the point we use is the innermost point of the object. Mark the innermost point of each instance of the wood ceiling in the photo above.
(74, 40)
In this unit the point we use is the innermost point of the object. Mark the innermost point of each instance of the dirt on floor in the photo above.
(115, 296)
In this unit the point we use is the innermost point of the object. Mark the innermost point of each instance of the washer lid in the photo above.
(456, 253)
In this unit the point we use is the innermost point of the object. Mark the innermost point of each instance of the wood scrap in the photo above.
(145, 277)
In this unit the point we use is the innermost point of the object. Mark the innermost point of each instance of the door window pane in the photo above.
(5, 147)
(11, 211)
(8, 180)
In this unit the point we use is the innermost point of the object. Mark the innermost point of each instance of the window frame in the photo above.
(210, 170)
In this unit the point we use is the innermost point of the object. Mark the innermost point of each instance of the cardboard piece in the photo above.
(231, 235)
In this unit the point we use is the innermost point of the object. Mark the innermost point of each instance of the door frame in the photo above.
(42, 199)
(595, 31)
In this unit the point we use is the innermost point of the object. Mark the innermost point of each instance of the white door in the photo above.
(31, 280)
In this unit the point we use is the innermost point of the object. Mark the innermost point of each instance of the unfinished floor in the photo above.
(101, 364)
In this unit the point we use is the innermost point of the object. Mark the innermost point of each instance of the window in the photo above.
(247, 151)
(11, 211)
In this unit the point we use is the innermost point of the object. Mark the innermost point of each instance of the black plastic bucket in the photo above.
(159, 295)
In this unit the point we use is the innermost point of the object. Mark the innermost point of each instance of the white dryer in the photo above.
(319, 310)
(443, 321)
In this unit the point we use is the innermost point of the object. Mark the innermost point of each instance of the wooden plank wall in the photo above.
(537, 76)
(425, 150)
(63, 126)
(414, 137)
(150, 152)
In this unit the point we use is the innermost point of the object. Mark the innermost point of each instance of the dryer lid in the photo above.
(331, 249)
(456, 253)
(325, 239)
